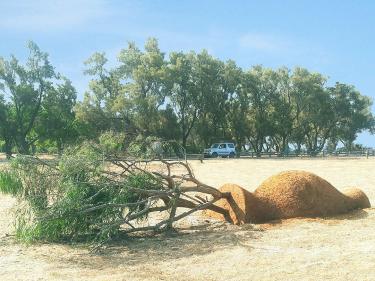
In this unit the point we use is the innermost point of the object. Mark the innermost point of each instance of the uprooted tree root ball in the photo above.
(237, 205)
(287, 195)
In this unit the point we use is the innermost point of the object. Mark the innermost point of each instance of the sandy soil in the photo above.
(339, 248)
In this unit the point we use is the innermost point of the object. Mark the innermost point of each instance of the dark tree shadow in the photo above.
(184, 242)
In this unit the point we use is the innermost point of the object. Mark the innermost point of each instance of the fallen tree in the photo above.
(95, 195)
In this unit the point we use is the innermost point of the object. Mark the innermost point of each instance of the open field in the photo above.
(340, 248)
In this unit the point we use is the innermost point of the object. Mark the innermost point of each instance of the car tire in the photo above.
(214, 155)
(232, 154)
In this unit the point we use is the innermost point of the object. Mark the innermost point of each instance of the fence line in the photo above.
(264, 155)
(355, 153)
(249, 155)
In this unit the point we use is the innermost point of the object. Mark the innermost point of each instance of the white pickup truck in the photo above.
(223, 149)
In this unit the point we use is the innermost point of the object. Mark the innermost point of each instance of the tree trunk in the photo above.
(8, 148)
(283, 149)
(238, 148)
(59, 147)
(23, 146)
(298, 150)
(184, 139)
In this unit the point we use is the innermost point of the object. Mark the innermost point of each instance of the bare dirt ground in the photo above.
(339, 248)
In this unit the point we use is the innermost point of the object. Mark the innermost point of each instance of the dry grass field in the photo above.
(339, 248)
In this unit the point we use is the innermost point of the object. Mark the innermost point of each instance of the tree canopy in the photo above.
(192, 98)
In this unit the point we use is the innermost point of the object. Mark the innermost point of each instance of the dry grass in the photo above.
(339, 248)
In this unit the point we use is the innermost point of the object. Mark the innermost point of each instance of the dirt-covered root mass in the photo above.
(288, 194)
(237, 205)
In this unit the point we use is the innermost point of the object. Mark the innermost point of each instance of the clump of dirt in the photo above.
(287, 195)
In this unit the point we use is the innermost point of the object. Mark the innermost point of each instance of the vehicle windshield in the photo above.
(215, 145)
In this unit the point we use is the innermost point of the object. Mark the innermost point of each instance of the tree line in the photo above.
(192, 98)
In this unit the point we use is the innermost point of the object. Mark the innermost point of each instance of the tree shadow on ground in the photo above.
(185, 242)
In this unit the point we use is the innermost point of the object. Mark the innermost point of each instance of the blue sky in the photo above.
(334, 38)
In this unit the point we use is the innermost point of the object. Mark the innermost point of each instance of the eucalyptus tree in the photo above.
(320, 121)
(103, 107)
(56, 122)
(168, 128)
(352, 113)
(236, 104)
(309, 101)
(327, 114)
(25, 86)
(209, 77)
(145, 73)
(260, 85)
(283, 112)
(6, 127)
(185, 98)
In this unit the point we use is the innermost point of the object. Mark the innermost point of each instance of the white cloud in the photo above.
(44, 15)
(263, 42)
(284, 50)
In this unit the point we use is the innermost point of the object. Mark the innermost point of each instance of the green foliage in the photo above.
(37, 107)
(55, 122)
(112, 142)
(9, 183)
(209, 100)
(191, 98)
(55, 198)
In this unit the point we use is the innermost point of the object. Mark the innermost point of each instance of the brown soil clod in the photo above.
(287, 195)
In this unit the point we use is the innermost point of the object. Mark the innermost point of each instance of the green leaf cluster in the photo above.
(73, 198)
